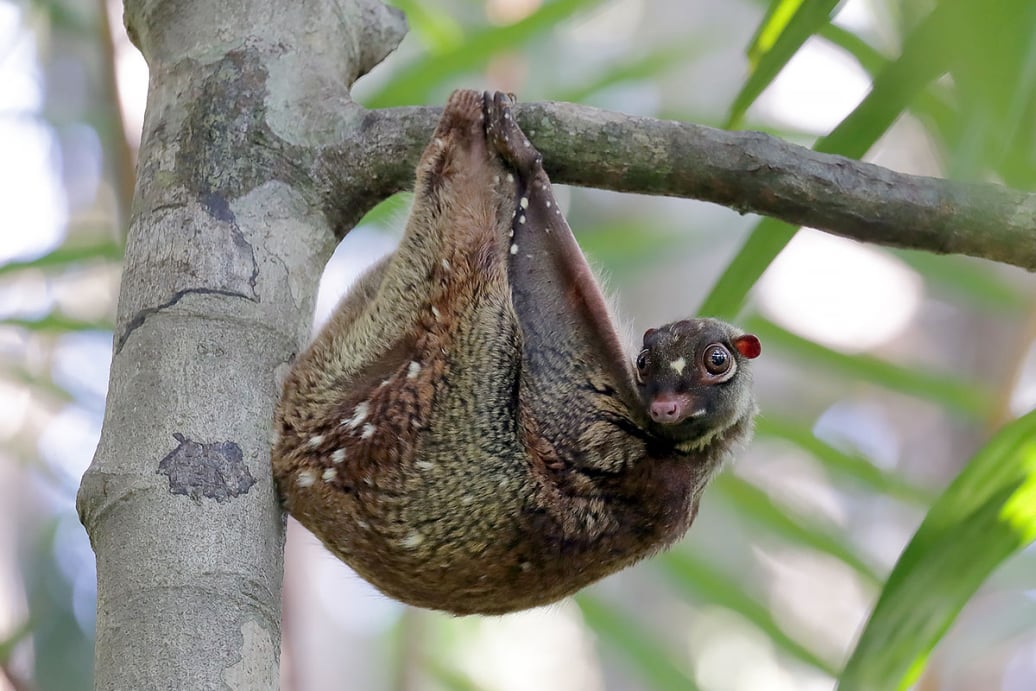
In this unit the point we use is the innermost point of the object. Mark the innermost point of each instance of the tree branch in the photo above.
(748, 171)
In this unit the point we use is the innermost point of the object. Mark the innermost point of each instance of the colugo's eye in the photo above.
(717, 359)
(642, 361)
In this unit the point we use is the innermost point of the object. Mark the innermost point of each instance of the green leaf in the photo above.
(65, 256)
(415, 82)
(57, 323)
(438, 31)
(756, 505)
(699, 580)
(389, 212)
(870, 58)
(764, 243)
(966, 278)
(992, 76)
(624, 245)
(935, 104)
(1016, 120)
(984, 516)
(450, 678)
(8, 644)
(647, 655)
(651, 66)
(41, 383)
(778, 14)
(851, 466)
(940, 387)
(76, 19)
(923, 59)
(785, 28)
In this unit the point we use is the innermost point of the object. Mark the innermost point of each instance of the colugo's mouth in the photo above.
(672, 409)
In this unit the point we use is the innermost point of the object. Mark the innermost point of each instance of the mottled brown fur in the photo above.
(466, 432)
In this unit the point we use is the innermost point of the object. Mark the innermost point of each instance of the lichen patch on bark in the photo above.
(225, 144)
(214, 470)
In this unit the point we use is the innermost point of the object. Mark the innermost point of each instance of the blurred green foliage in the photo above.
(965, 71)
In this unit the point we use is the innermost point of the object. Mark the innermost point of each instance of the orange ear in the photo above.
(748, 345)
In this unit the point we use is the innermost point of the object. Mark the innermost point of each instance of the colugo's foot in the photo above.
(507, 138)
(463, 116)
(459, 141)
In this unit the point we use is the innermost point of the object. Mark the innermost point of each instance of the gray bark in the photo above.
(227, 237)
(747, 171)
(254, 161)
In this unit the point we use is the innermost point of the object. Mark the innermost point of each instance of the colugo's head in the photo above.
(694, 377)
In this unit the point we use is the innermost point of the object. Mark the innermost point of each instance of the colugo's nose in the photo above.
(665, 411)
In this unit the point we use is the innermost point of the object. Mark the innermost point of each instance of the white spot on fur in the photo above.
(412, 540)
(678, 365)
(507, 116)
(496, 179)
(359, 415)
(363, 524)
(521, 219)
(510, 178)
(338, 456)
(315, 441)
(368, 431)
(305, 479)
(329, 474)
(510, 233)
(436, 313)
(367, 481)
(525, 566)
(384, 382)
(439, 142)
(467, 500)
(425, 465)
(445, 265)
(514, 249)
(524, 202)
(413, 370)
(548, 204)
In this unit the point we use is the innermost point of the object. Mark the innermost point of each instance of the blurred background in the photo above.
(882, 372)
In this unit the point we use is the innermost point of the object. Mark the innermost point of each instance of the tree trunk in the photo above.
(226, 242)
